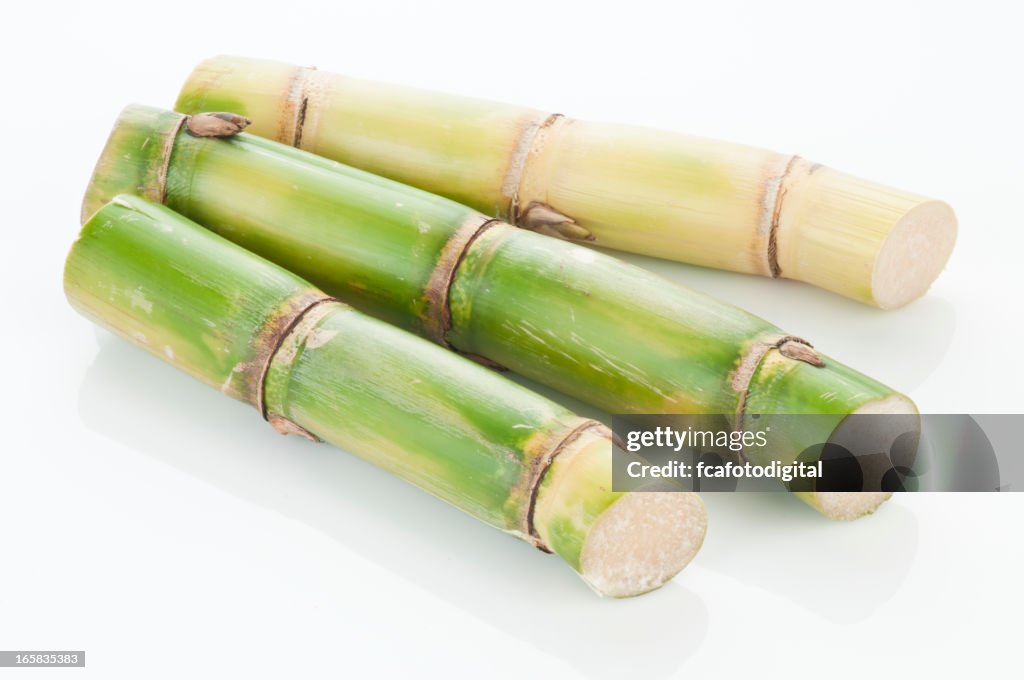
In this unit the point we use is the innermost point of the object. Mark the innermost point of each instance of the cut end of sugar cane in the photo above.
(621, 544)
(863, 240)
(845, 506)
(913, 254)
(642, 541)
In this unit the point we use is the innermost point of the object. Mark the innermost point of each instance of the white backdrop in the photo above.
(166, 531)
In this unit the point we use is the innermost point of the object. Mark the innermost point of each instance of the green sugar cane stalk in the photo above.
(314, 366)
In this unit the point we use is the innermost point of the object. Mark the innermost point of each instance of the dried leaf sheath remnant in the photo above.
(708, 202)
(461, 432)
(216, 124)
(544, 219)
(788, 345)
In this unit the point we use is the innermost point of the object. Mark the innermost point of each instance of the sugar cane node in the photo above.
(779, 187)
(154, 186)
(216, 124)
(296, 103)
(524, 147)
(541, 467)
(291, 329)
(517, 160)
(789, 346)
(538, 216)
(437, 319)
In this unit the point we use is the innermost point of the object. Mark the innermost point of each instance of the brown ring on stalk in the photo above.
(537, 216)
(156, 190)
(517, 163)
(790, 346)
(437, 318)
(540, 468)
(268, 342)
(773, 228)
(296, 103)
(301, 89)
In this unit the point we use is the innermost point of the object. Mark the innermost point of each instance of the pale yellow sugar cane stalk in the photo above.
(669, 195)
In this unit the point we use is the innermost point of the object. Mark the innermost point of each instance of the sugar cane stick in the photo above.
(315, 367)
(669, 195)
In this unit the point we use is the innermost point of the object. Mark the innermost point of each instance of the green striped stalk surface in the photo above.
(317, 367)
(587, 324)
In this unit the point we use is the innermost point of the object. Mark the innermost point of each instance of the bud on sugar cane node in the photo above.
(675, 196)
(589, 325)
(315, 367)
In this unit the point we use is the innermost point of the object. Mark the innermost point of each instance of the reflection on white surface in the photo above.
(151, 408)
(841, 571)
